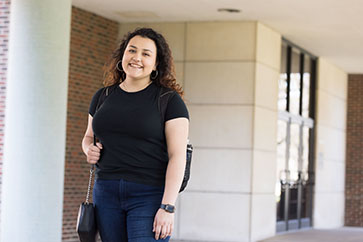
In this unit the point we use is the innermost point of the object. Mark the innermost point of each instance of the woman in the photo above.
(139, 161)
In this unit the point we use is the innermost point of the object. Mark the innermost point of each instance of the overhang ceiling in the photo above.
(332, 29)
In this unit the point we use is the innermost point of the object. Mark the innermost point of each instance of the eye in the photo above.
(131, 51)
(146, 54)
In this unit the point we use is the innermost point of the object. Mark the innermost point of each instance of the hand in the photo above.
(163, 224)
(93, 153)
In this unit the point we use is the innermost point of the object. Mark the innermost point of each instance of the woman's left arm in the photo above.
(176, 133)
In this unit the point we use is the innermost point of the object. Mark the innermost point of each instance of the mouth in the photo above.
(135, 66)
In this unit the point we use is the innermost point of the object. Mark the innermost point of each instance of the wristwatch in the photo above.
(168, 207)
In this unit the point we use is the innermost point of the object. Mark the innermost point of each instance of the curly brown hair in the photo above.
(165, 67)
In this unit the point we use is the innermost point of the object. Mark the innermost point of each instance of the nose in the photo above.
(136, 57)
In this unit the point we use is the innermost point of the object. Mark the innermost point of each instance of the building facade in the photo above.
(260, 164)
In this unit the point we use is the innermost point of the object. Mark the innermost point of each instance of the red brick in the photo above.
(354, 153)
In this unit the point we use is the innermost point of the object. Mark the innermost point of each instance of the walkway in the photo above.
(346, 234)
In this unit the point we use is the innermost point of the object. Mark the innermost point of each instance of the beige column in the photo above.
(231, 74)
(263, 170)
(35, 121)
(330, 146)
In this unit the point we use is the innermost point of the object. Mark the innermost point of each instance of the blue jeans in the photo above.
(125, 210)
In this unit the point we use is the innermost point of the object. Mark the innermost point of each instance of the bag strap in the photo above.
(101, 99)
(91, 171)
(164, 95)
(104, 94)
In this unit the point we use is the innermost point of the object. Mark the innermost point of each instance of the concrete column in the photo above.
(330, 145)
(265, 113)
(35, 121)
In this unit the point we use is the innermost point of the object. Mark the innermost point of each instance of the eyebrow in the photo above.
(136, 48)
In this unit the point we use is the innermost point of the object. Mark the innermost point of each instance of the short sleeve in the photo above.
(176, 108)
(93, 105)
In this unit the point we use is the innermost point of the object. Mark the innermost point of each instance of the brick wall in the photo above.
(4, 37)
(93, 38)
(354, 165)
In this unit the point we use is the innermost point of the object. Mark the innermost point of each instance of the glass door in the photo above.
(295, 138)
(293, 185)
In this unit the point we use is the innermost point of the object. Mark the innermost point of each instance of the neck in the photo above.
(135, 85)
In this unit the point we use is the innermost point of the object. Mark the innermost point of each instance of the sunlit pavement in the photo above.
(346, 234)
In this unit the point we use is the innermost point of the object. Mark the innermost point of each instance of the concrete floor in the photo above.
(346, 234)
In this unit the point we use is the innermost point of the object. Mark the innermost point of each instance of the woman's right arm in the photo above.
(91, 151)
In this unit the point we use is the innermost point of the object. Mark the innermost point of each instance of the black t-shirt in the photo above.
(128, 125)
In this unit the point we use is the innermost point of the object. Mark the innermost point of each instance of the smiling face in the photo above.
(139, 58)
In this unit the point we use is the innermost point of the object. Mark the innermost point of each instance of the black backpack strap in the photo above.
(104, 94)
(164, 96)
(101, 99)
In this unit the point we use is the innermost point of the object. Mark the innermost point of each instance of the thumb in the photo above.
(99, 145)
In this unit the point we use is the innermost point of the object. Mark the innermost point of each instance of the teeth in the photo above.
(133, 65)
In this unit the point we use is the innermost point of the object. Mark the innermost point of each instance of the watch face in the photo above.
(169, 208)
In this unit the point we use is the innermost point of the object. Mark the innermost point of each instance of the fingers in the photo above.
(94, 152)
(165, 231)
(171, 228)
(99, 145)
(95, 148)
(162, 231)
(157, 231)
(92, 161)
